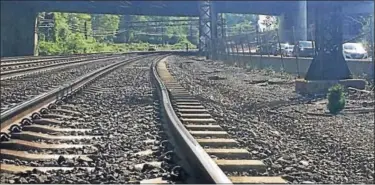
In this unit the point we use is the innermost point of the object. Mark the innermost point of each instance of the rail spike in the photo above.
(26, 121)
(52, 106)
(44, 111)
(36, 115)
(4, 136)
(15, 128)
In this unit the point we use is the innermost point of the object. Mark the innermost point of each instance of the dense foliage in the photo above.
(67, 35)
(113, 33)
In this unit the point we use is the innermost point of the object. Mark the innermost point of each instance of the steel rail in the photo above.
(194, 153)
(20, 111)
(6, 60)
(33, 58)
(30, 58)
(24, 71)
(40, 61)
(25, 58)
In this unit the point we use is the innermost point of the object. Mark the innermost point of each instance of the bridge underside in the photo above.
(161, 8)
(185, 8)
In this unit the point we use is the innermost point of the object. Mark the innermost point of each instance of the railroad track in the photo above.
(27, 58)
(17, 69)
(42, 58)
(205, 144)
(28, 84)
(46, 136)
(49, 135)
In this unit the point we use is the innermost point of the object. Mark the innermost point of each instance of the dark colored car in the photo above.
(280, 49)
(267, 49)
(303, 49)
(274, 49)
(151, 48)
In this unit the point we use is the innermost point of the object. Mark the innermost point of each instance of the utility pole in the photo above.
(190, 27)
(162, 37)
(86, 34)
(36, 43)
(372, 45)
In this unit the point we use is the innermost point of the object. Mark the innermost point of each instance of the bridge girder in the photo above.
(160, 8)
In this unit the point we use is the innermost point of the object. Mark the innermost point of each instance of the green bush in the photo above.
(336, 99)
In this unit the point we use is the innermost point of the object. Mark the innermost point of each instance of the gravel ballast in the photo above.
(292, 134)
(124, 110)
(17, 90)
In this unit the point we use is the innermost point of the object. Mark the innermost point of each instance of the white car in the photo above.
(288, 52)
(354, 51)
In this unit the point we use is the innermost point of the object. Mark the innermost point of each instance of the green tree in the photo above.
(239, 23)
(105, 27)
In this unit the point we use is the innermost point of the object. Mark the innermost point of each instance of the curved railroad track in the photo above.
(203, 143)
(56, 134)
(70, 133)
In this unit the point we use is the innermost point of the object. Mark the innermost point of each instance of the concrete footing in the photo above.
(318, 87)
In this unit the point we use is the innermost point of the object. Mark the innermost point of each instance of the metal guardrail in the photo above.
(194, 153)
(286, 57)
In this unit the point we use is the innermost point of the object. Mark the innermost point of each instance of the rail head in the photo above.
(216, 175)
(5, 60)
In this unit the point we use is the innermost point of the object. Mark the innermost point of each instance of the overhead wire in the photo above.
(230, 31)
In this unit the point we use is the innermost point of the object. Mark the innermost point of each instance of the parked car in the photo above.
(264, 49)
(288, 51)
(152, 48)
(303, 49)
(268, 49)
(354, 51)
(281, 48)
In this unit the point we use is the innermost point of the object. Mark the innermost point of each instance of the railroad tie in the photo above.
(216, 142)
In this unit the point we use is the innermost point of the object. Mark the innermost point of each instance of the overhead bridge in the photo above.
(18, 20)
(18, 17)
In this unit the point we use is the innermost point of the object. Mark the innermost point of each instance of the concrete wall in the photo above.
(18, 37)
(357, 67)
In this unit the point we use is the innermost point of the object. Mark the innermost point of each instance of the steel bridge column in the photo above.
(18, 33)
(220, 34)
(329, 62)
(204, 27)
(214, 35)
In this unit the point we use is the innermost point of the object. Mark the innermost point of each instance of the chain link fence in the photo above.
(274, 43)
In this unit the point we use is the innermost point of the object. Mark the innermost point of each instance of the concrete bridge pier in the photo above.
(18, 35)
(293, 24)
